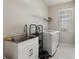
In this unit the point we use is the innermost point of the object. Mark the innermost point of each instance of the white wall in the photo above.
(54, 25)
(19, 12)
(53, 12)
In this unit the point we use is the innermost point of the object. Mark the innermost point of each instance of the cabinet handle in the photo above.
(30, 52)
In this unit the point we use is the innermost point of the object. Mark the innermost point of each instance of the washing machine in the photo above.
(50, 41)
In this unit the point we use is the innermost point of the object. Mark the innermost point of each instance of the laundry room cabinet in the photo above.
(23, 50)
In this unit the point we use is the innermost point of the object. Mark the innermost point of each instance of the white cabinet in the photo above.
(24, 50)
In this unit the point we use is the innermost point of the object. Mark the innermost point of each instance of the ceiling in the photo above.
(55, 2)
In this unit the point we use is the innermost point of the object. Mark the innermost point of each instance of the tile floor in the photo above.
(65, 51)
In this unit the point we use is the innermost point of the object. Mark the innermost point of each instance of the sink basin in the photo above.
(21, 38)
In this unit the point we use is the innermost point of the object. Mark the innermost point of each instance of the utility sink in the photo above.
(20, 38)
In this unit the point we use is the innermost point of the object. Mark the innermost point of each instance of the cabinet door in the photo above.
(28, 51)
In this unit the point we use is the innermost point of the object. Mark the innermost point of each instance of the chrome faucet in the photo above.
(25, 30)
(30, 29)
